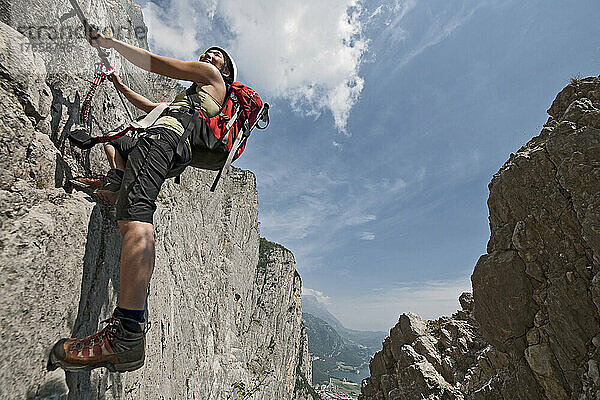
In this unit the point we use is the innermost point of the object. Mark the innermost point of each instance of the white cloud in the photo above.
(352, 218)
(380, 309)
(173, 29)
(367, 236)
(307, 52)
(321, 298)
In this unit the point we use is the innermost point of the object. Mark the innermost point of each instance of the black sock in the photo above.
(136, 315)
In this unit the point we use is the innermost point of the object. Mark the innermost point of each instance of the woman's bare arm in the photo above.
(194, 71)
(134, 98)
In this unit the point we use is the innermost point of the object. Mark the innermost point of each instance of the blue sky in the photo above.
(388, 121)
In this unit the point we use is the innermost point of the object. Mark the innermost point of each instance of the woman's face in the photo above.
(215, 57)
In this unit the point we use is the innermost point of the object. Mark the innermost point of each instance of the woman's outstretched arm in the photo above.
(194, 71)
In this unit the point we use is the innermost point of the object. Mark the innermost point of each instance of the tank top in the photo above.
(208, 105)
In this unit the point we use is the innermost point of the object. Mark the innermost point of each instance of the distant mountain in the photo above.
(324, 341)
(337, 351)
(370, 339)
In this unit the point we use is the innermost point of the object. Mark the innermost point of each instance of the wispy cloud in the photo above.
(317, 208)
(306, 52)
(367, 236)
(319, 296)
(412, 27)
(380, 309)
(351, 219)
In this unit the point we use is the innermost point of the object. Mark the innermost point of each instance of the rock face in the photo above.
(536, 291)
(303, 389)
(531, 329)
(220, 314)
(274, 336)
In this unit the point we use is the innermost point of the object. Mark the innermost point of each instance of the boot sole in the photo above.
(111, 197)
(54, 363)
(82, 187)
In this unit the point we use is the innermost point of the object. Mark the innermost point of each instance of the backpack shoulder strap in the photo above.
(232, 152)
(263, 115)
(151, 117)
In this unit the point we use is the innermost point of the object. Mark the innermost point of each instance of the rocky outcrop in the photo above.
(427, 359)
(443, 359)
(532, 328)
(274, 335)
(535, 292)
(221, 316)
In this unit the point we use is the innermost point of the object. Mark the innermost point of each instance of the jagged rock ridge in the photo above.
(429, 359)
(59, 252)
(534, 322)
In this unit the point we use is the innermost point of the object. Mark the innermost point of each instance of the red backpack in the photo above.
(240, 111)
(218, 140)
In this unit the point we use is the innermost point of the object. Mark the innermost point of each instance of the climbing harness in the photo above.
(83, 140)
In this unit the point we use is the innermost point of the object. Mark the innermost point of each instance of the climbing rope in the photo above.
(102, 72)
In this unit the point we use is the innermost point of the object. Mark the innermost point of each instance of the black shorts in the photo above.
(151, 159)
(125, 143)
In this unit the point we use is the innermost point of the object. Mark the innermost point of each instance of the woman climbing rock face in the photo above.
(139, 167)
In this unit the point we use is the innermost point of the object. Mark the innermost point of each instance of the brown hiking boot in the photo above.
(88, 184)
(104, 189)
(114, 347)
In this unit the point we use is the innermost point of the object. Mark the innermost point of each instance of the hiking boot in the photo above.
(111, 184)
(104, 189)
(120, 347)
(87, 185)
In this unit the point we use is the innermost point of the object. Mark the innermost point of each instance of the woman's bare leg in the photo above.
(137, 263)
(115, 160)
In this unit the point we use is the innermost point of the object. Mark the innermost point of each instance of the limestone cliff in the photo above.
(532, 330)
(220, 313)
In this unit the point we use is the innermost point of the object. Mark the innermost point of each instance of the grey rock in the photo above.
(387, 384)
(368, 388)
(434, 364)
(409, 327)
(466, 301)
(502, 272)
(408, 356)
(540, 360)
(547, 192)
(303, 389)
